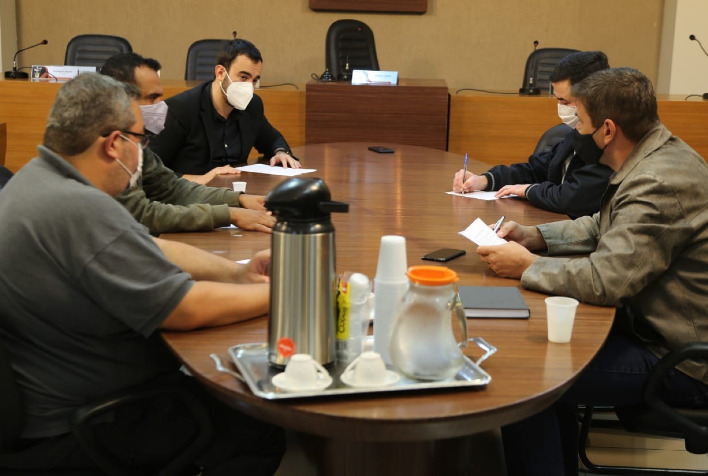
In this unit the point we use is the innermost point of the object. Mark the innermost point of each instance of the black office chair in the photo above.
(656, 418)
(201, 59)
(94, 50)
(551, 137)
(11, 420)
(350, 41)
(539, 66)
(5, 176)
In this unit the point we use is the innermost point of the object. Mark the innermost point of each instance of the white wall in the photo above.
(683, 67)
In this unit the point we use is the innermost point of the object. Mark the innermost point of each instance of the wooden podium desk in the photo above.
(25, 105)
(504, 128)
(405, 433)
(413, 112)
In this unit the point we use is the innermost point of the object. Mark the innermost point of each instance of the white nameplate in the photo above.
(384, 78)
(59, 73)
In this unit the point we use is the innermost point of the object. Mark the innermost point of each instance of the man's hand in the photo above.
(252, 202)
(258, 269)
(212, 174)
(509, 260)
(254, 220)
(527, 236)
(284, 159)
(470, 183)
(518, 190)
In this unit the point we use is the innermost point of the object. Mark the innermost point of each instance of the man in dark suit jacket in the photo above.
(217, 123)
(560, 180)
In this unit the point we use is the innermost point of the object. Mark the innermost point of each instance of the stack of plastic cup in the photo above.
(390, 284)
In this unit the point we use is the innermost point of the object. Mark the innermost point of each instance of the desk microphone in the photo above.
(531, 89)
(15, 74)
(693, 38)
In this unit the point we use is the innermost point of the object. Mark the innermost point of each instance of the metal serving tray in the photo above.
(252, 363)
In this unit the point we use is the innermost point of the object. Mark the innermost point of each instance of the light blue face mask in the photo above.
(154, 116)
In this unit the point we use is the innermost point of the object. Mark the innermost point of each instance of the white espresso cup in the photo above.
(560, 314)
(239, 186)
(368, 370)
(302, 371)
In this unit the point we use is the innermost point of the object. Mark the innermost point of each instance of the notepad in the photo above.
(493, 301)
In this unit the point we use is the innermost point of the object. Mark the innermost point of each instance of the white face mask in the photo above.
(154, 116)
(238, 94)
(134, 176)
(568, 115)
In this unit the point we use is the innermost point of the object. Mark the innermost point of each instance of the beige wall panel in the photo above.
(469, 43)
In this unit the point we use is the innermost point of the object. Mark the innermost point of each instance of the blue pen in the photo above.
(464, 175)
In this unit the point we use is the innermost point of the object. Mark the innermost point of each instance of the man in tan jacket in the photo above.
(645, 252)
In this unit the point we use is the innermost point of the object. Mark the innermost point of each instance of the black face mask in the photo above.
(585, 147)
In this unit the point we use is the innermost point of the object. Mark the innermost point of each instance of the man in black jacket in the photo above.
(560, 180)
(217, 123)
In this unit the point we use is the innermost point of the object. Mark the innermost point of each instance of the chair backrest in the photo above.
(201, 59)
(350, 40)
(540, 65)
(551, 137)
(94, 50)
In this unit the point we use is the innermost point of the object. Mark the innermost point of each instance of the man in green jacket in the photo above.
(162, 201)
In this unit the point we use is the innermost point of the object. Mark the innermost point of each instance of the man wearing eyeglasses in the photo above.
(161, 200)
(85, 289)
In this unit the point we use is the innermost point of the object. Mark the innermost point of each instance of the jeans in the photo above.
(547, 443)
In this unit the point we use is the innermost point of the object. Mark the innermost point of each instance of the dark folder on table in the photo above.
(493, 301)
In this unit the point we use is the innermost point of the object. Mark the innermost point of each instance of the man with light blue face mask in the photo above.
(161, 200)
(563, 179)
(217, 123)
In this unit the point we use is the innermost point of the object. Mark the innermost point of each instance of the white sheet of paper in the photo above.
(267, 169)
(479, 195)
(481, 234)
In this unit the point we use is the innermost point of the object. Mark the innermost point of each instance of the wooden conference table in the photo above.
(406, 432)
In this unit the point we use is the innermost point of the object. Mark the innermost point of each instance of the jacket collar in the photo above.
(652, 140)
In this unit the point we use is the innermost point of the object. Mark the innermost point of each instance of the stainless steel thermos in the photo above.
(302, 319)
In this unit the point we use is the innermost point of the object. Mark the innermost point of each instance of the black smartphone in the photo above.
(444, 254)
(381, 149)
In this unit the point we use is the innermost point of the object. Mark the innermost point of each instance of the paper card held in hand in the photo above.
(481, 234)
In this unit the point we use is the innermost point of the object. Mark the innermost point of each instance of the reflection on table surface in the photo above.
(403, 194)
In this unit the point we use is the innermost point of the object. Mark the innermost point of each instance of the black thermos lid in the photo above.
(303, 199)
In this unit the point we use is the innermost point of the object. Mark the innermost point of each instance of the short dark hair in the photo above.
(122, 66)
(235, 48)
(623, 95)
(578, 66)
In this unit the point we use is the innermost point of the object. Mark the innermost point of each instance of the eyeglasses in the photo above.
(144, 138)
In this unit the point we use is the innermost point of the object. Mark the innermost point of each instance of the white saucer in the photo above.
(391, 378)
(281, 381)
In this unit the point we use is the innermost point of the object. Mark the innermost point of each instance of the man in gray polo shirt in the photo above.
(85, 289)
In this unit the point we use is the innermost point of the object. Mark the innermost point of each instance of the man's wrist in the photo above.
(490, 182)
(287, 151)
(527, 189)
